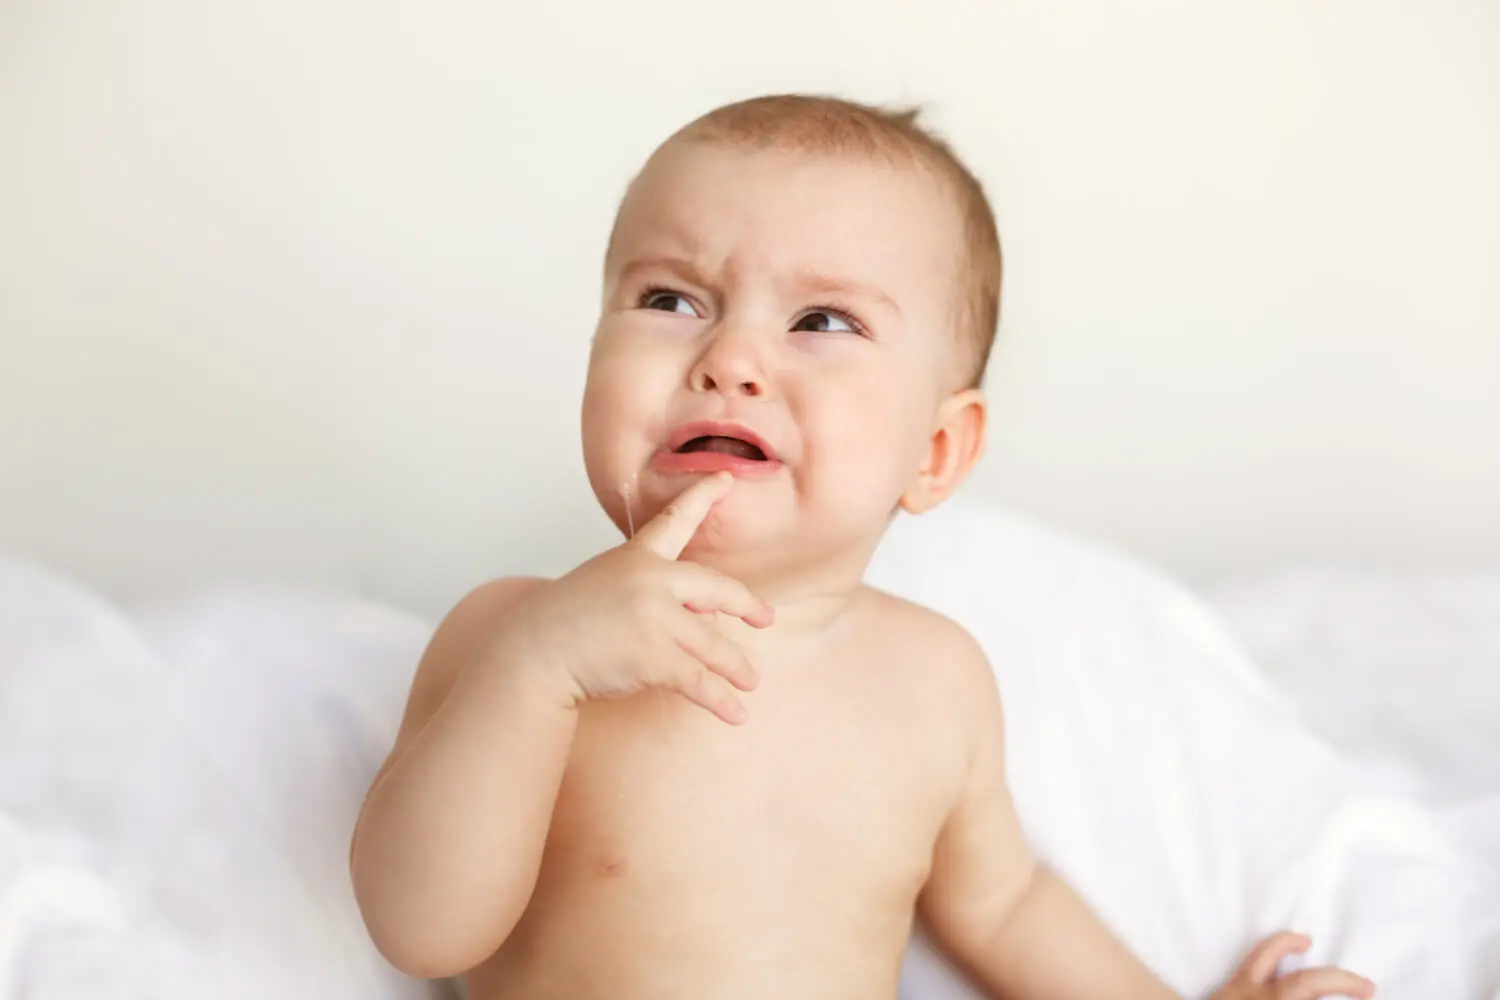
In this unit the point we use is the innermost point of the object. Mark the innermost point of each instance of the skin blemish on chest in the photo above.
(611, 866)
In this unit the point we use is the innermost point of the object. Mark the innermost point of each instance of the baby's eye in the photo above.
(827, 321)
(659, 298)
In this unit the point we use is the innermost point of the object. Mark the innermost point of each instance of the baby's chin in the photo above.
(730, 531)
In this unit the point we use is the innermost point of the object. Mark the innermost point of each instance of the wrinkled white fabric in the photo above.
(1402, 670)
(178, 783)
(177, 791)
(1159, 771)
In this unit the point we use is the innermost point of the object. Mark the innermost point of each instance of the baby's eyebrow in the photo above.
(804, 283)
(680, 266)
(811, 282)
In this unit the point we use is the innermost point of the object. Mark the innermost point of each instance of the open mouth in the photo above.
(710, 446)
(718, 445)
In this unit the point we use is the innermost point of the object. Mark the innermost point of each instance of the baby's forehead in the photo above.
(754, 210)
(685, 168)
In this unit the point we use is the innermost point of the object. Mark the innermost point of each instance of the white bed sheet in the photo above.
(177, 782)
(177, 788)
(1401, 671)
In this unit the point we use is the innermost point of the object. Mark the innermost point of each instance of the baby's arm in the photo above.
(1010, 922)
(449, 842)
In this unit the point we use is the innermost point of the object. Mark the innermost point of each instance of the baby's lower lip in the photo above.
(680, 463)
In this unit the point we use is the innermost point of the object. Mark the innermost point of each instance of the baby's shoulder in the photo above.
(927, 640)
(477, 611)
(937, 680)
(469, 624)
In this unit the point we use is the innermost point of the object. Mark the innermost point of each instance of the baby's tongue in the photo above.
(727, 446)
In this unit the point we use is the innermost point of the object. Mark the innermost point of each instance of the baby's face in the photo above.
(788, 317)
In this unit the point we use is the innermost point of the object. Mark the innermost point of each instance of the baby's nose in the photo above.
(704, 381)
(731, 365)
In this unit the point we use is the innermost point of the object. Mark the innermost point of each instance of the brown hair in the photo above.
(837, 127)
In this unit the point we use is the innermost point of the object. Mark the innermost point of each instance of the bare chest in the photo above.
(661, 793)
(689, 858)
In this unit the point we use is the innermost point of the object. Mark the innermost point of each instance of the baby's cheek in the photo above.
(864, 454)
(866, 419)
(616, 395)
(607, 428)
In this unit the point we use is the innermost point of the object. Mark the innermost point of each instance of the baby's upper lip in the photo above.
(719, 428)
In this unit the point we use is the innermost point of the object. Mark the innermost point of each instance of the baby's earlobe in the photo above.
(918, 498)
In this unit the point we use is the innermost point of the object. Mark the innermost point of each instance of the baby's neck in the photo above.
(810, 598)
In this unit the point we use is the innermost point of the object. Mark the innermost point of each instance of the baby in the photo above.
(710, 763)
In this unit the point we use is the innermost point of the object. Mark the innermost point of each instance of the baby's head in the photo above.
(802, 290)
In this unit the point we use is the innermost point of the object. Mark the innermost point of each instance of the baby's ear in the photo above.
(955, 446)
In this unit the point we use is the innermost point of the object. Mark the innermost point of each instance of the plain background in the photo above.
(302, 289)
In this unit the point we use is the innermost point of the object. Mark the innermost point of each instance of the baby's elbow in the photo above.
(422, 944)
(423, 965)
(429, 952)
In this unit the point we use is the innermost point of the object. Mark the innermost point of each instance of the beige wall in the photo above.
(303, 289)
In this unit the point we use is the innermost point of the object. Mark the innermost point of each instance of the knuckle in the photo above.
(708, 574)
(701, 687)
(734, 657)
(690, 574)
(715, 646)
(701, 578)
(690, 679)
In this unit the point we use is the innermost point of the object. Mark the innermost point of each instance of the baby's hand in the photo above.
(1256, 980)
(635, 617)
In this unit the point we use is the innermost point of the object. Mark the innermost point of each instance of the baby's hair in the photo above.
(834, 126)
